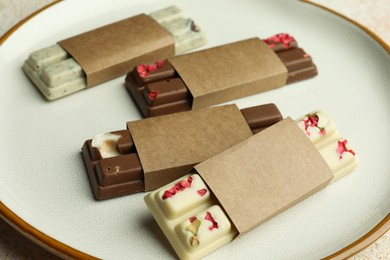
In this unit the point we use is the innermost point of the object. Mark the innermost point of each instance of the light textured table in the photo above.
(375, 15)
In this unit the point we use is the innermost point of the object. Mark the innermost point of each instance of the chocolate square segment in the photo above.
(119, 169)
(160, 70)
(166, 91)
(125, 143)
(113, 166)
(157, 89)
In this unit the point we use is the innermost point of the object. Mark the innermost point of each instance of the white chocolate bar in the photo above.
(61, 72)
(196, 225)
(50, 92)
(46, 56)
(56, 74)
(319, 127)
(340, 157)
(187, 34)
(167, 14)
(193, 222)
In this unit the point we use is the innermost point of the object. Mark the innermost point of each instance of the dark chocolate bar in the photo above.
(157, 89)
(114, 168)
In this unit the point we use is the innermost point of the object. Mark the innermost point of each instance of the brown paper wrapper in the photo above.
(230, 71)
(265, 174)
(112, 50)
(169, 146)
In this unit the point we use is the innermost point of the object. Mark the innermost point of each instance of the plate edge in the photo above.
(41, 239)
(66, 252)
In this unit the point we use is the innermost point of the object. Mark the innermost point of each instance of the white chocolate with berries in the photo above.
(57, 74)
(181, 197)
(190, 217)
(196, 226)
(204, 228)
(340, 157)
(319, 127)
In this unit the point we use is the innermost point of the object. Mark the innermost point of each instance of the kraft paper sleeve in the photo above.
(113, 50)
(169, 146)
(265, 174)
(230, 71)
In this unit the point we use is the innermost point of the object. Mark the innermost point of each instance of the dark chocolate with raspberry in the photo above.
(147, 73)
(299, 64)
(280, 42)
(157, 89)
(123, 174)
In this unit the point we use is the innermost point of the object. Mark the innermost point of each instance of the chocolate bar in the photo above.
(319, 127)
(160, 82)
(277, 168)
(114, 166)
(56, 73)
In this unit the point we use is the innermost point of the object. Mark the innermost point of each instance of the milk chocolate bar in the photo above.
(56, 73)
(159, 89)
(114, 166)
(277, 168)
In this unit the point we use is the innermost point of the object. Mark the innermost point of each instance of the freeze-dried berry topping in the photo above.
(145, 69)
(283, 38)
(202, 192)
(180, 186)
(312, 120)
(342, 148)
(211, 219)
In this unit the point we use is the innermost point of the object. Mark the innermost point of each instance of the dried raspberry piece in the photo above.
(152, 67)
(211, 219)
(144, 70)
(167, 194)
(192, 219)
(180, 186)
(342, 148)
(152, 95)
(160, 63)
(202, 192)
(141, 68)
(284, 38)
(312, 120)
(185, 184)
(272, 45)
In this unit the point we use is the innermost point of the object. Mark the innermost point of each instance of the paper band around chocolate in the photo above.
(287, 157)
(115, 168)
(230, 71)
(182, 140)
(109, 51)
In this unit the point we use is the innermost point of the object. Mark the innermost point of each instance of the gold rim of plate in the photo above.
(64, 251)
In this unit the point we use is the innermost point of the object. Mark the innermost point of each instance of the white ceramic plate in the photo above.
(43, 180)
